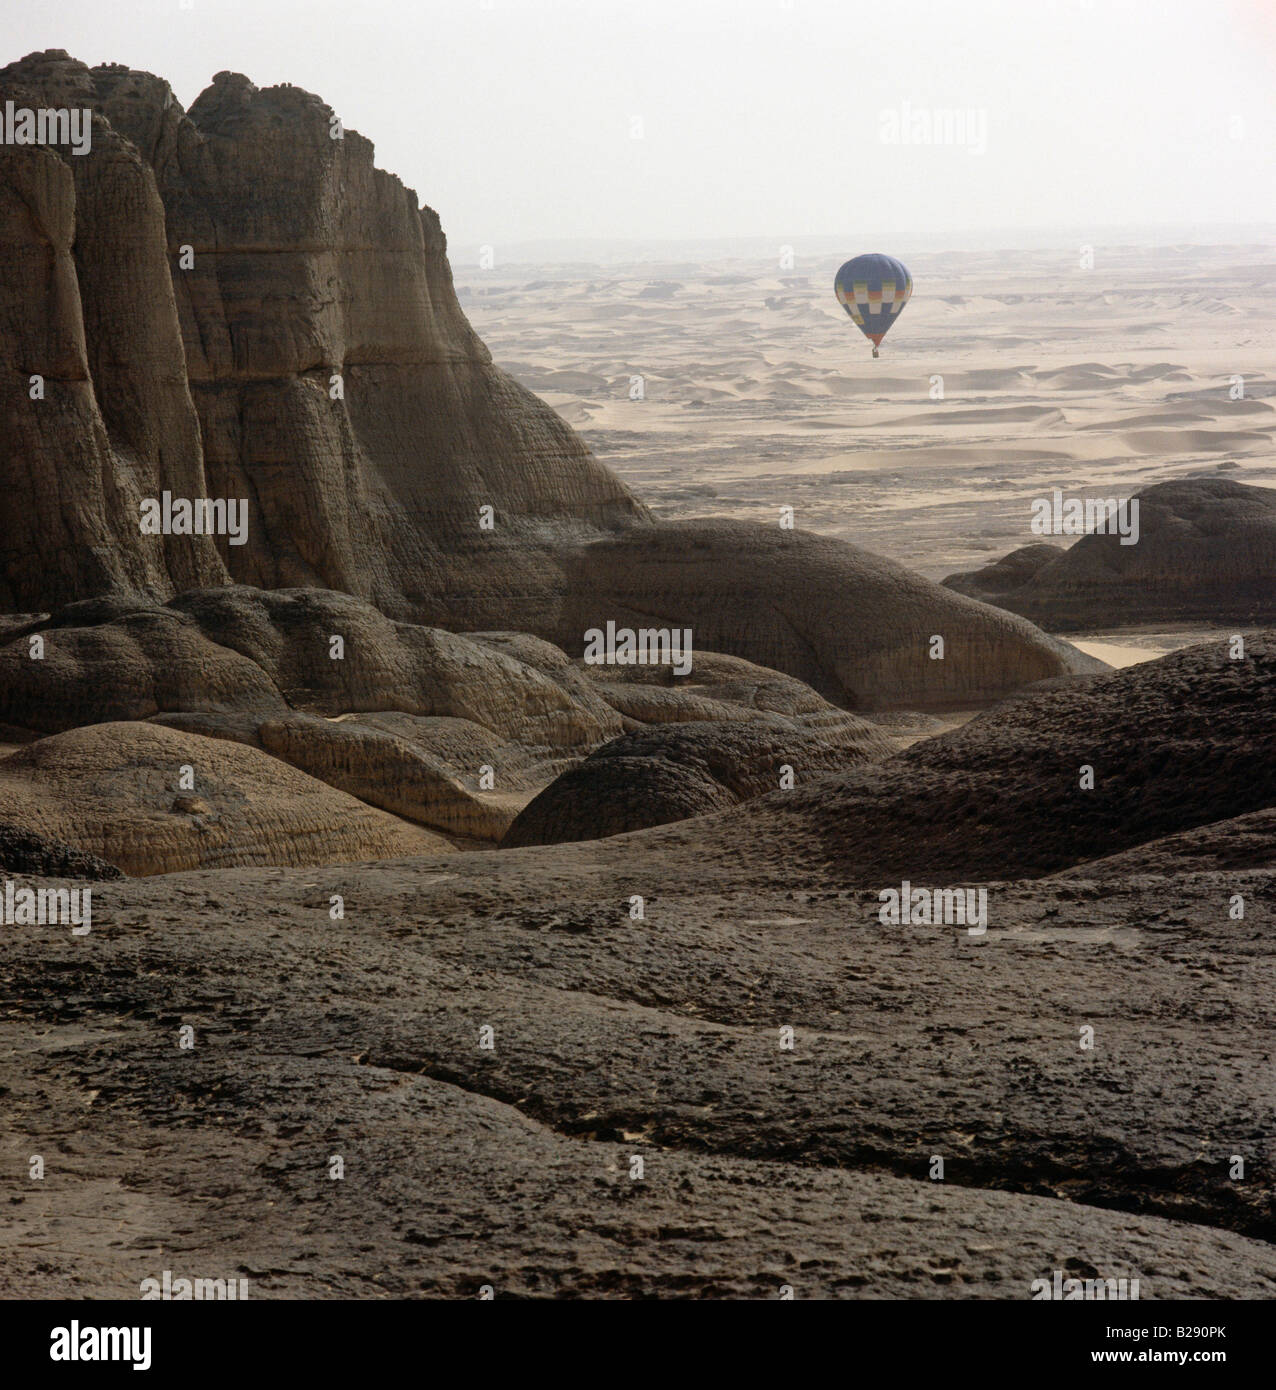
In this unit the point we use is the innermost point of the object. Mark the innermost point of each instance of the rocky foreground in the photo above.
(656, 1030)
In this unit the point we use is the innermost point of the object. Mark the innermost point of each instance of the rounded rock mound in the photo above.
(121, 792)
(856, 627)
(1056, 777)
(671, 772)
(1003, 576)
(1205, 551)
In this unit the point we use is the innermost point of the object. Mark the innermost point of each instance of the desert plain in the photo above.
(1096, 368)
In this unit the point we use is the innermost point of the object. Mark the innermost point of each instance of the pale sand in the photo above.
(1128, 646)
(760, 392)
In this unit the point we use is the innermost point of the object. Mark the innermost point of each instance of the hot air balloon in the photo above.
(873, 289)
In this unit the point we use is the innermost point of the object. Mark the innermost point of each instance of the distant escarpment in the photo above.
(229, 304)
(1206, 550)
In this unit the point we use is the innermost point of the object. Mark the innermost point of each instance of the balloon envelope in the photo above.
(873, 290)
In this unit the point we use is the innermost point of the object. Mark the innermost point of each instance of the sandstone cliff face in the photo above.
(210, 372)
(87, 306)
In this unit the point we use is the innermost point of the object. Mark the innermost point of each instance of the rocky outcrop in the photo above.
(1180, 753)
(396, 774)
(1238, 843)
(116, 791)
(115, 661)
(97, 412)
(718, 687)
(1206, 552)
(855, 627)
(267, 652)
(460, 731)
(24, 852)
(660, 1038)
(1003, 576)
(450, 774)
(674, 771)
(230, 303)
(1076, 771)
(457, 732)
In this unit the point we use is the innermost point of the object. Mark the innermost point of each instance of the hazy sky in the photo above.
(517, 119)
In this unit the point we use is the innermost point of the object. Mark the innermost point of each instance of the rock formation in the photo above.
(229, 303)
(1003, 576)
(661, 1037)
(210, 372)
(116, 791)
(257, 651)
(25, 852)
(1235, 844)
(1206, 551)
(1174, 745)
(673, 771)
(455, 732)
(97, 411)
(452, 732)
(855, 627)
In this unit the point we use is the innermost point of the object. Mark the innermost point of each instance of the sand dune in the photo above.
(994, 415)
(1177, 412)
(1178, 441)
